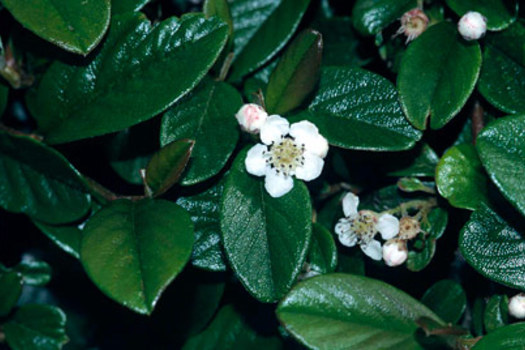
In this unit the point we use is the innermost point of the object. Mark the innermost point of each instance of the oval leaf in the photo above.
(39, 181)
(67, 237)
(496, 313)
(434, 82)
(371, 16)
(221, 9)
(130, 80)
(11, 283)
(34, 272)
(133, 250)
(265, 239)
(499, 13)
(509, 338)
(447, 299)
(339, 311)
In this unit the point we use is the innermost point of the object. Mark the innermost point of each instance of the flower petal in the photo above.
(274, 129)
(255, 161)
(373, 249)
(311, 169)
(388, 226)
(305, 132)
(350, 203)
(348, 238)
(342, 226)
(276, 184)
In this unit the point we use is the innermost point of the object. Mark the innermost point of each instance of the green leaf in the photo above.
(227, 331)
(4, 94)
(34, 272)
(496, 313)
(206, 116)
(509, 338)
(339, 311)
(296, 75)
(412, 184)
(130, 80)
(447, 299)
(265, 239)
(166, 166)
(123, 6)
(261, 28)
(436, 83)
(460, 178)
(371, 16)
(322, 256)
(502, 151)
(502, 79)
(357, 109)
(204, 211)
(133, 250)
(67, 237)
(499, 13)
(36, 327)
(494, 248)
(221, 9)
(39, 181)
(422, 165)
(11, 288)
(74, 26)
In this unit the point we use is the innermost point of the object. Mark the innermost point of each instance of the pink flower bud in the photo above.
(472, 25)
(251, 117)
(395, 252)
(413, 23)
(517, 306)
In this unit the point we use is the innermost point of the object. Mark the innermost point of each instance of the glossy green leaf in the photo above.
(166, 166)
(10, 290)
(494, 248)
(322, 256)
(371, 16)
(436, 83)
(227, 331)
(501, 148)
(67, 237)
(357, 109)
(447, 299)
(4, 93)
(265, 239)
(499, 13)
(39, 181)
(261, 29)
(74, 26)
(34, 272)
(509, 338)
(339, 311)
(204, 211)
(502, 79)
(412, 184)
(296, 75)
(460, 178)
(123, 6)
(130, 80)
(36, 327)
(206, 116)
(496, 313)
(221, 9)
(133, 250)
(422, 165)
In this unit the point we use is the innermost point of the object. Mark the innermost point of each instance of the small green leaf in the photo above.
(339, 311)
(501, 148)
(261, 28)
(371, 16)
(34, 272)
(494, 248)
(412, 184)
(133, 250)
(130, 80)
(36, 327)
(123, 6)
(11, 288)
(499, 13)
(502, 79)
(436, 83)
(265, 239)
(322, 256)
(496, 313)
(447, 299)
(296, 75)
(39, 181)
(166, 166)
(206, 116)
(357, 109)
(422, 165)
(227, 331)
(460, 178)
(509, 338)
(204, 211)
(221, 9)
(67, 237)
(74, 26)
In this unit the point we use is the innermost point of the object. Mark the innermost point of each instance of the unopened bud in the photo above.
(472, 25)
(395, 252)
(517, 306)
(251, 117)
(408, 228)
(413, 23)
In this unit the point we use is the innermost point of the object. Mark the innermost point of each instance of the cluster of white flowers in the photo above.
(286, 150)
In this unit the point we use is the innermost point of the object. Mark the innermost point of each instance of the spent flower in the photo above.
(413, 23)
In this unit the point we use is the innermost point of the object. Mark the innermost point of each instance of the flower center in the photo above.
(285, 156)
(364, 225)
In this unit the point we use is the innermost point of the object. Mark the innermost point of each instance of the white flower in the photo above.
(286, 150)
(395, 252)
(472, 25)
(413, 23)
(361, 227)
(517, 306)
(251, 117)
